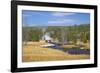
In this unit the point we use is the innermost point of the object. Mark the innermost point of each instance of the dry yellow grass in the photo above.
(36, 53)
(68, 46)
(85, 46)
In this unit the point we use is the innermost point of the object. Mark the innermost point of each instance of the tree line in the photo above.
(60, 33)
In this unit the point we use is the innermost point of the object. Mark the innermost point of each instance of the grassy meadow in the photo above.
(32, 52)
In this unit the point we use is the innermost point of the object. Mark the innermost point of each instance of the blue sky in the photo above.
(49, 18)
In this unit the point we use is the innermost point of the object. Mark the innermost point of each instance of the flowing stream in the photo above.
(74, 50)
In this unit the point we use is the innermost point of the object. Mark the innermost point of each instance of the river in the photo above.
(74, 50)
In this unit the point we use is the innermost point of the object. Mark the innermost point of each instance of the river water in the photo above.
(74, 50)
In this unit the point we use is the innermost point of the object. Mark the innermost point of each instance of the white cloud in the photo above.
(61, 21)
(59, 14)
